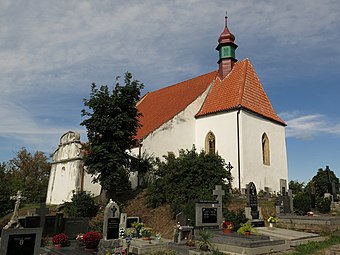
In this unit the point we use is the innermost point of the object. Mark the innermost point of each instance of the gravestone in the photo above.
(209, 213)
(123, 221)
(253, 211)
(111, 221)
(131, 220)
(32, 222)
(76, 225)
(24, 241)
(284, 204)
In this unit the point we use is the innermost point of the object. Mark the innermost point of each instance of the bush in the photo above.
(96, 223)
(237, 217)
(301, 203)
(323, 204)
(82, 205)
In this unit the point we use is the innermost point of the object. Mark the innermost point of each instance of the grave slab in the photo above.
(293, 237)
(140, 247)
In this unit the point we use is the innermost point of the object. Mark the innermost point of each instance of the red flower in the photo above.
(91, 239)
(228, 225)
(60, 239)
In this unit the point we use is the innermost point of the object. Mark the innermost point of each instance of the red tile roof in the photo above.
(162, 105)
(240, 88)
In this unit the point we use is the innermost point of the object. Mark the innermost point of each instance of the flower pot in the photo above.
(271, 225)
(146, 238)
(227, 231)
(247, 233)
(57, 245)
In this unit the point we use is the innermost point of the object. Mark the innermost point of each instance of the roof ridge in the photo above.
(179, 83)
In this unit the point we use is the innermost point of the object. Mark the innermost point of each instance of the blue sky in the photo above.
(51, 51)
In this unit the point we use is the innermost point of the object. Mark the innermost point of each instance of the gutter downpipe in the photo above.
(238, 149)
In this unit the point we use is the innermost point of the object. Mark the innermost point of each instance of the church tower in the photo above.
(226, 48)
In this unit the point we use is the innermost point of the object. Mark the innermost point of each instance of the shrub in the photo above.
(237, 217)
(302, 203)
(323, 204)
(82, 205)
(96, 223)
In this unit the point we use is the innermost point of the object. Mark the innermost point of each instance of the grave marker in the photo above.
(253, 211)
(14, 222)
(20, 241)
(111, 221)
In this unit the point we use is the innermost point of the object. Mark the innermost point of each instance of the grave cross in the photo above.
(42, 211)
(219, 192)
(14, 222)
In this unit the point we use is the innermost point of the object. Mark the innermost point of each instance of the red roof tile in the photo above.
(162, 105)
(240, 88)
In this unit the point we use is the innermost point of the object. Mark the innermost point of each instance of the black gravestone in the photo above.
(32, 222)
(252, 200)
(113, 228)
(131, 220)
(209, 215)
(21, 244)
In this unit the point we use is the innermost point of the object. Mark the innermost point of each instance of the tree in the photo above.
(30, 174)
(111, 125)
(5, 191)
(82, 205)
(296, 186)
(320, 183)
(188, 177)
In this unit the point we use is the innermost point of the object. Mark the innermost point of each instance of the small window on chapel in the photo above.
(210, 143)
(265, 150)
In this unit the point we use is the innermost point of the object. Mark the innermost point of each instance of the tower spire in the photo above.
(226, 48)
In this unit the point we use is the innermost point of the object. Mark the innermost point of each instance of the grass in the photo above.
(314, 247)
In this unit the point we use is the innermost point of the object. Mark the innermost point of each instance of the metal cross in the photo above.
(229, 167)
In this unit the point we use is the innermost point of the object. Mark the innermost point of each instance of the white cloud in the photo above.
(309, 126)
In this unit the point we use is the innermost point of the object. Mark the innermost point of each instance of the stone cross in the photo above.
(219, 192)
(42, 212)
(14, 222)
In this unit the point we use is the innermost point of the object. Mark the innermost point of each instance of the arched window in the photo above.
(210, 143)
(265, 150)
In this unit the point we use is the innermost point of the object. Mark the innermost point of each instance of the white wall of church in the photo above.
(224, 127)
(252, 128)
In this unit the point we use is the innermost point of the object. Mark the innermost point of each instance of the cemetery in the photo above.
(127, 234)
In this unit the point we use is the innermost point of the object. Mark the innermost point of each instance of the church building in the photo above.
(225, 111)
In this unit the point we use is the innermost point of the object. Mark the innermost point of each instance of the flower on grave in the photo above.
(80, 237)
(60, 239)
(146, 232)
(121, 233)
(272, 219)
(158, 236)
(228, 225)
(91, 239)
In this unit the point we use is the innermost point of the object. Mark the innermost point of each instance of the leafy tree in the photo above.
(301, 203)
(5, 191)
(111, 125)
(82, 205)
(320, 182)
(188, 177)
(29, 173)
(296, 186)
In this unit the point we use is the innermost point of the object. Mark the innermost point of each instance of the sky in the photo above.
(51, 52)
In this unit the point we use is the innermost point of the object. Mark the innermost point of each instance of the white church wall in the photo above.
(252, 128)
(225, 130)
(175, 134)
(89, 186)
